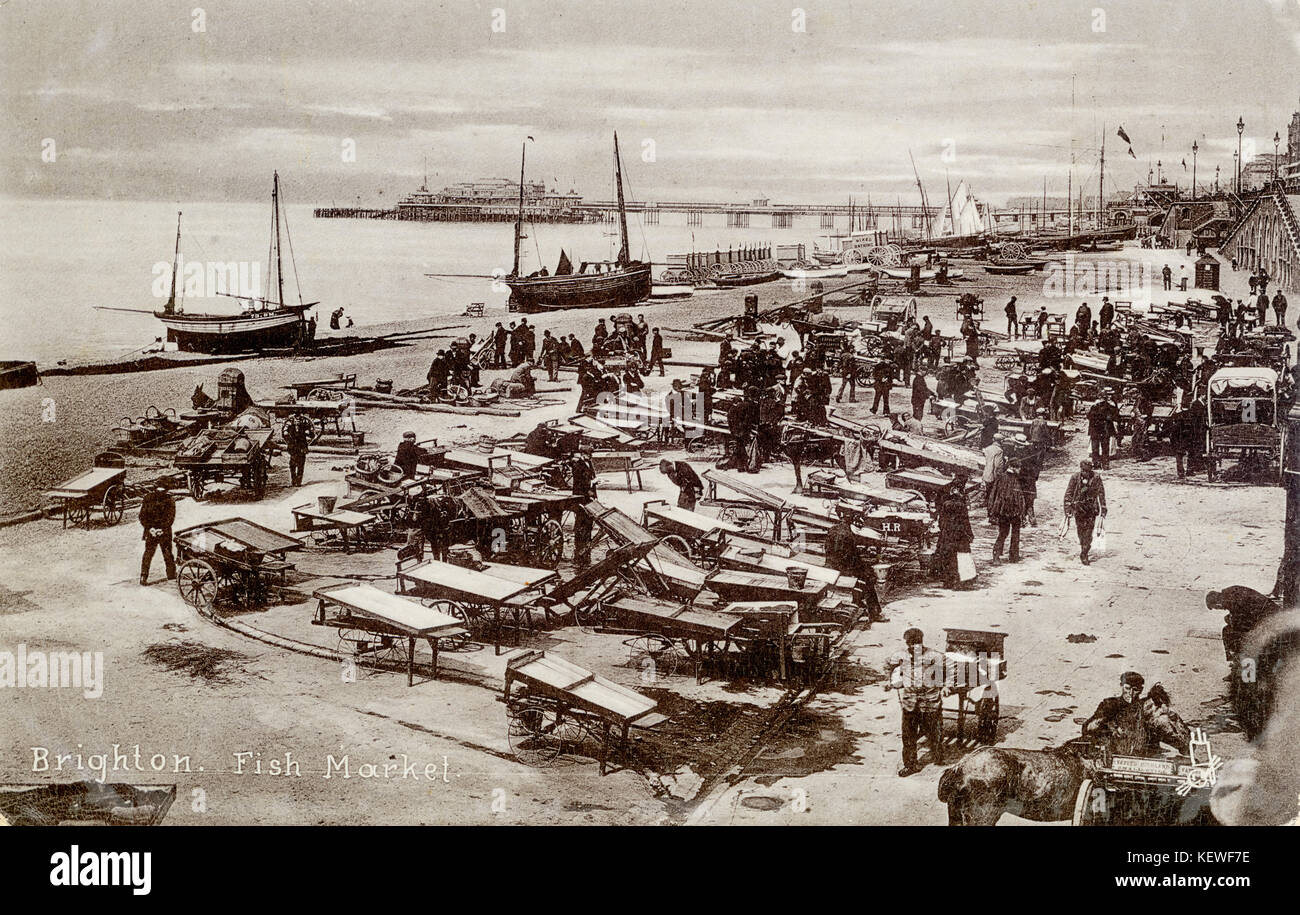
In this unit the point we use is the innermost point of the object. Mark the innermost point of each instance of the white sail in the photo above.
(962, 215)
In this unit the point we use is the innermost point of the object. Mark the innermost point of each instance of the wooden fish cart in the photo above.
(102, 488)
(553, 704)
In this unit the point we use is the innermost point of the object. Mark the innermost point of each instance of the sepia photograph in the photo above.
(687, 413)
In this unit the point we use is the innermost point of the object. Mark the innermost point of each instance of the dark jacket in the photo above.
(1086, 499)
(1005, 500)
(408, 456)
(158, 510)
(842, 553)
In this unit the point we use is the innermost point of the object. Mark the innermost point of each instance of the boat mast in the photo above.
(1101, 181)
(519, 222)
(279, 262)
(171, 300)
(925, 206)
(623, 253)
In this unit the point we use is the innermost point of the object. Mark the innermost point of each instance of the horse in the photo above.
(1039, 785)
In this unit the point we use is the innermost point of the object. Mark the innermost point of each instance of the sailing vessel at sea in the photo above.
(264, 323)
(595, 284)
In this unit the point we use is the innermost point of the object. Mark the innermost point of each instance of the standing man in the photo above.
(955, 534)
(844, 556)
(1006, 509)
(656, 353)
(157, 515)
(848, 373)
(1168, 276)
(1107, 314)
(408, 455)
(921, 395)
(584, 484)
(1013, 321)
(550, 356)
(1101, 428)
(917, 673)
(995, 461)
(1279, 308)
(1040, 434)
(1183, 437)
(499, 337)
(684, 477)
(298, 433)
(882, 379)
(1085, 499)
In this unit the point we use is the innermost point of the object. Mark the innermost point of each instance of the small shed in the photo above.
(1207, 273)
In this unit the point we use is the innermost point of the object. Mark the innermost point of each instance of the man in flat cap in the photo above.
(1119, 720)
(1085, 499)
(408, 455)
(917, 673)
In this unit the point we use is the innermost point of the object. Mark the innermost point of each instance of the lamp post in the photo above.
(1276, 140)
(1241, 128)
(1194, 148)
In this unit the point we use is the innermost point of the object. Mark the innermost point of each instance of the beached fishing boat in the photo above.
(663, 291)
(595, 284)
(262, 324)
(905, 273)
(14, 374)
(807, 272)
(1008, 269)
(730, 280)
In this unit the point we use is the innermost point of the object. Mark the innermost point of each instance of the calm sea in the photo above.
(59, 259)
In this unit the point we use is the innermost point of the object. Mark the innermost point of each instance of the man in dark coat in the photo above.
(955, 534)
(1119, 720)
(1013, 320)
(157, 515)
(683, 476)
(921, 395)
(1101, 428)
(1085, 499)
(584, 484)
(656, 352)
(499, 337)
(844, 556)
(1106, 316)
(1006, 508)
(408, 455)
(882, 380)
(298, 433)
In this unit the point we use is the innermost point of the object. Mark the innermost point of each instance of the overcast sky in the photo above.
(738, 103)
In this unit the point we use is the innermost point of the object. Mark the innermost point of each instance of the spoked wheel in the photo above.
(114, 504)
(78, 512)
(654, 656)
(550, 544)
(678, 545)
(195, 482)
(590, 617)
(1084, 815)
(458, 393)
(197, 582)
(452, 609)
(532, 732)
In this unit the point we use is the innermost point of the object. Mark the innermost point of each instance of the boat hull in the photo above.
(625, 286)
(18, 375)
(745, 279)
(209, 333)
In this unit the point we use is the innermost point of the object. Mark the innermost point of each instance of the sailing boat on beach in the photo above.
(595, 284)
(263, 324)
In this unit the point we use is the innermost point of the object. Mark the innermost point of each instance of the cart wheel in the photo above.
(1084, 815)
(197, 582)
(531, 731)
(654, 656)
(114, 505)
(988, 712)
(863, 376)
(79, 512)
(195, 482)
(550, 544)
(679, 546)
(451, 608)
(458, 394)
(589, 616)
